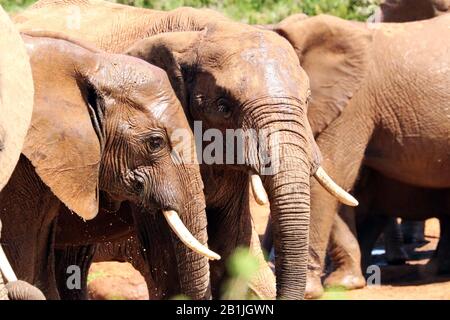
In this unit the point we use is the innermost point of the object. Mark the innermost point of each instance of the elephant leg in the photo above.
(345, 254)
(156, 251)
(443, 248)
(46, 272)
(393, 243)
(343, 145)
(29, 212)
(128, 249)
(262, 285)
(413, 232)
(230, 227)
(72, 265)
(368, 232)
(267, 243)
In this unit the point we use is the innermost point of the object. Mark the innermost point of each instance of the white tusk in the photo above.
(6, 268)
(331, 186)
(186, 237)
(258, 189)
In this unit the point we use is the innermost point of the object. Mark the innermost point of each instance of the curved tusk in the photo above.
(258, 189)
(331, 186)
(186, 237)
(5, 267)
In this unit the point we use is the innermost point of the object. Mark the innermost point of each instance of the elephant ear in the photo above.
(16, 96)
(335, 55)
(173, 52)
(61, 143)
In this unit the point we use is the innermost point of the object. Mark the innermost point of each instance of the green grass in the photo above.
(249, 11)
(95, 275)
(15, 5)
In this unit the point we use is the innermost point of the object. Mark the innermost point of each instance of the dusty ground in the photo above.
(415, 280)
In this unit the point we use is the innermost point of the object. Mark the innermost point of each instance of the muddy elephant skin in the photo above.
(101, 125)
(228, 76)
(365, 110)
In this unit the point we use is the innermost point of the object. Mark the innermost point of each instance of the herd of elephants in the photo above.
(92, 94)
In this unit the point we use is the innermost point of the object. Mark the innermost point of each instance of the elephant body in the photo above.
(89, 148)
(395, 234)
(379, 98)
(15, 81)
(228, 76)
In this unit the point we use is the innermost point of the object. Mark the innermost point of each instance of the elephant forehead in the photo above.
(131, 74)
(271, 69)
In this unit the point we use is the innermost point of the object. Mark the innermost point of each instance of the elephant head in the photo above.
(15, 81)
(410, 10)
(107, 123)
(233, 76)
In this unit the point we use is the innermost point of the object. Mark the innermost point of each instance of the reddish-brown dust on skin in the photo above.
(415, 280)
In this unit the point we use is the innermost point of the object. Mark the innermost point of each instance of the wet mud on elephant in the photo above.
(16, 106)
(366, 110)
(228, 76)
(101, 134)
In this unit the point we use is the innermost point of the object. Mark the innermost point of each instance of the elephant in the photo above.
(15, 289)
(410, 232)
(228, 76)
(365, 111)
(409, 10)
(103, 133)
(15, 80)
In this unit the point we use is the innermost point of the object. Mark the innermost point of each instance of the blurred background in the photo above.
(249, 11)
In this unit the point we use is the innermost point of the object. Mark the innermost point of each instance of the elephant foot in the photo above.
(314, 288)
(345, 280)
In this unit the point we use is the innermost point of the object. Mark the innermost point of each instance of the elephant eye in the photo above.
(156, 143)
(224, 108)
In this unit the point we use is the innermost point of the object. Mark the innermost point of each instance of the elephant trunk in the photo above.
(288, 189)
(21, 290)
(290, 207)
(193, 268)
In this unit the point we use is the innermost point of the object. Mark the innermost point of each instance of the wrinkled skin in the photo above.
(18, 290)
(229, 76)
(15, 80)
(410, 10)
(365, 111)
(405, 11)
(100, 122)
(394, 234)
